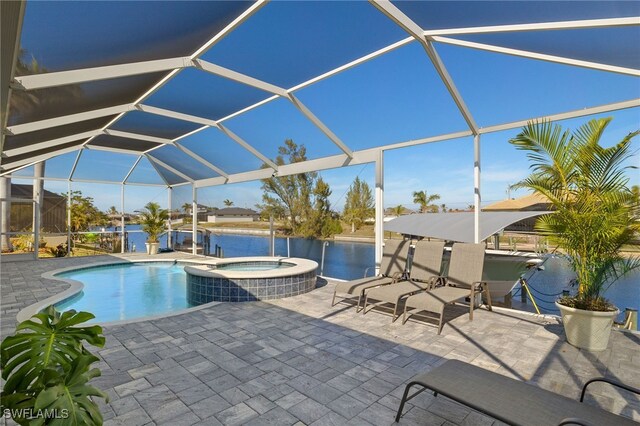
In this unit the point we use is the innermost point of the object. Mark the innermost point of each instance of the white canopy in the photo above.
(456, 226)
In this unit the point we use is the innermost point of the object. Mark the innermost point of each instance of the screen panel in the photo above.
(41, 104)
(267, 127)
(7, 162)
(45, 135)
(102, 165)
(221, 151)
(71, 35)
(504, 88)
(286, 43)
(440, 172)
(110, 141)
(460, 14)
(170, 177)
(153, 125)
(145, 173)
(182, 162)
(60, 165)
(205, 95)
(393, 98)
(612, 46)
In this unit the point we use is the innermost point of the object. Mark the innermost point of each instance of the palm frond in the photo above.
(547, 148)
(586, 184)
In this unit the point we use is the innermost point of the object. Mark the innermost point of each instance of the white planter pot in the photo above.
(152, 248)
(588, 330)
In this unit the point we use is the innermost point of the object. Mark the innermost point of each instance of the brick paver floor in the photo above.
(301, 361)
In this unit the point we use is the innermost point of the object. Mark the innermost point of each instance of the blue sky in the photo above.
(393, 98)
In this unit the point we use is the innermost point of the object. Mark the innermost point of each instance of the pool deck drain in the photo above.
(299, 361)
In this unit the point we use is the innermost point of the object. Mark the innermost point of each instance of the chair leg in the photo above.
(364, 308)
(403, 401)
(333, 301)
(395, 312)
(488, 296)
(472, 302)
(441, 321)
(359, 302)
(404, 315)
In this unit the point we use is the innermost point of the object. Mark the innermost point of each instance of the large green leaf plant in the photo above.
(594, 209)
(46, 368)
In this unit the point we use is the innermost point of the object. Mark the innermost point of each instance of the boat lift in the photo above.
(182, 240)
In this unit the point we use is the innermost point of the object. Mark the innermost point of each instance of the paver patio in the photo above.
(300, 361)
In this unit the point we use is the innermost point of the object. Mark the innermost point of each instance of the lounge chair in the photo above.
(463, 280)
(509, 400)
(394, 259)
(425, 269)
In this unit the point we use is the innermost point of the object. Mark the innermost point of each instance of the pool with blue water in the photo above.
(128, 291)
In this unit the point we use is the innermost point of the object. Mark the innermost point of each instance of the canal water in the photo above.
(348, 260)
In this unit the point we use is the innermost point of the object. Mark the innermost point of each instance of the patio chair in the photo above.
(510, 400)
(425, 269)
(463, 280)
(394, 259)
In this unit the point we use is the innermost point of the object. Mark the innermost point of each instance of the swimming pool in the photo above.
(128, 291)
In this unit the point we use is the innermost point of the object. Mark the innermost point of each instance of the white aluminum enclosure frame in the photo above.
(426, 37)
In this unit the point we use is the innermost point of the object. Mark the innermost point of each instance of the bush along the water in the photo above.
(46, 369)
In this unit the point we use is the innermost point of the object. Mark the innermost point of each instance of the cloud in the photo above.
(503, 174)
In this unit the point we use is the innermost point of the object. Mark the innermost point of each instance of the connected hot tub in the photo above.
(246, 279)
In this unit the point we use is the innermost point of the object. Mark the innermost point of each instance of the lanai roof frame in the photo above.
(173, 66)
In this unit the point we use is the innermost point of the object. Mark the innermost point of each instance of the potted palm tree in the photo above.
(154, 222)
(587, 186)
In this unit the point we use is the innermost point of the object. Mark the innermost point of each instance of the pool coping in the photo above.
(300, 266)
(76, 287)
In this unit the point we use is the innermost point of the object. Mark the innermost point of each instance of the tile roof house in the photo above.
(531, 202)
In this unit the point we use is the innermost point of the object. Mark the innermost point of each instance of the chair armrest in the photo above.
(434, 281)
(366, 271)
(476, 287)
(574, 421)
(439, 280)
(611, 382)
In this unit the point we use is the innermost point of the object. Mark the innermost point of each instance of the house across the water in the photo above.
(233, 214)
(531, 202)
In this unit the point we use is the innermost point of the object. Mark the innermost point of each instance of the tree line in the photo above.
(301, 201)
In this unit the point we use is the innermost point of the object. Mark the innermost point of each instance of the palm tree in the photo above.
(635, 190)
(153, 220)
(587, 187)
(510, 187)
(443, 206)
(186, 208)
(112, 211)
(228, 203)
(398, 210)
(421, 198)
